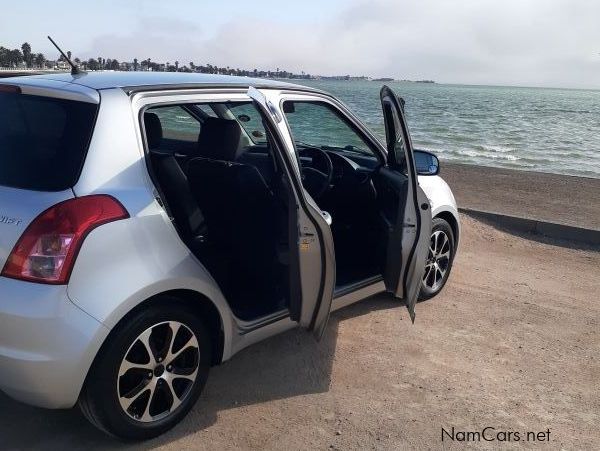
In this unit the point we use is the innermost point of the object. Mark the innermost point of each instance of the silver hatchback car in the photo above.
(152, 225)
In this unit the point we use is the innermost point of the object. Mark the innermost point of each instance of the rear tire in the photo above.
(149, 373)
(439, 259)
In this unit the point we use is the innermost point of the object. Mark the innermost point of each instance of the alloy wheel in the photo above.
(158, 371)
(438, 260)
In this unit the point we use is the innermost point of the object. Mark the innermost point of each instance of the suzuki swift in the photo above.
(152, 225)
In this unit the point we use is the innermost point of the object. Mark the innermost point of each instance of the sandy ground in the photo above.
(548, 197)
(511, 343)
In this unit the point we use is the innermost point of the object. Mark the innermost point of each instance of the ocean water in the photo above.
(536, 129)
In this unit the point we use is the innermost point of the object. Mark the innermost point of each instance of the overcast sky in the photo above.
(510, 42)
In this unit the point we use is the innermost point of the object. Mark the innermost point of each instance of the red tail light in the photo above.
(47, 250)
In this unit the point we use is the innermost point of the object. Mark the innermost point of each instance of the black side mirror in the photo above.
(426, 162)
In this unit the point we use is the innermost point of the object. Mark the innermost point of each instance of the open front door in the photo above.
(407, 213)
(312, 258)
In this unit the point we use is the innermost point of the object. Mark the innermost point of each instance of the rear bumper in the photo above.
(47, 344)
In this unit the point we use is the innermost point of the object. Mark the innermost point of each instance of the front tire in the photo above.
(439, 259)
(150, 372)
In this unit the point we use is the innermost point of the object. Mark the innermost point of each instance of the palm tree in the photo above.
(92, 64)
(40, 59)
(135, 64)
(27, 56)
(176, 66)
(15, 57)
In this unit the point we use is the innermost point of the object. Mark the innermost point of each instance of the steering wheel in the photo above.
(316, 178)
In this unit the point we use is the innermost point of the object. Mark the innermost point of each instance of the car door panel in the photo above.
(312, 258)
(405, 207)
(391, 194)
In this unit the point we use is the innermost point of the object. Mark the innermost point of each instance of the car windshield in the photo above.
(316, 124)
(43, 141)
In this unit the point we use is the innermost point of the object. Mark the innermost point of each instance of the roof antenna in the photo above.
(74, 69)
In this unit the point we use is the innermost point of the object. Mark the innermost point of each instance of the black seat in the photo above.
(231, 194)
(260, 157)
(215, 134)
(175, 186)
(241, 211)
(219, 139)
(154, 131)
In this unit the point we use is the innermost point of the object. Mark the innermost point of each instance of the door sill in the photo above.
(349, 288)
(245, 327)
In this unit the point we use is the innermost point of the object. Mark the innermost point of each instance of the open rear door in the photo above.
(409, 219)
(312, 258)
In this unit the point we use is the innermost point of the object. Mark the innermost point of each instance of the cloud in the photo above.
(528, 42)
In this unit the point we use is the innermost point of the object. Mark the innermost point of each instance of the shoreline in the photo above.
(444, 163)
(561, 199)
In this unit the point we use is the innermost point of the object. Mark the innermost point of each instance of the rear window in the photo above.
(250, 120)
(177, 123)
(43, 141)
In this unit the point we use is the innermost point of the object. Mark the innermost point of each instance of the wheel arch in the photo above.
(210, 314)
(451, 219)
(199, 302)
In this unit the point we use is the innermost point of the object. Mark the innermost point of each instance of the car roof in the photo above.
(137, 81)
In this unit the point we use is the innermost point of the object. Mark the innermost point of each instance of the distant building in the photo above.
(56, 65)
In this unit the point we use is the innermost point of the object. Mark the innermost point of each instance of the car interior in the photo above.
(231, 215)
(222, 186)
(347, 178)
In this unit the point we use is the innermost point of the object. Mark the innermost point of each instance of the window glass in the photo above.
(393, 121)
(250, 119)
(206, 109)
(43, 141)
(177, 123)
(317, 124)
(400, 153)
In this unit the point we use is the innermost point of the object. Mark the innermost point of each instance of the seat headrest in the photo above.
(154, 131)
(219, 139)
